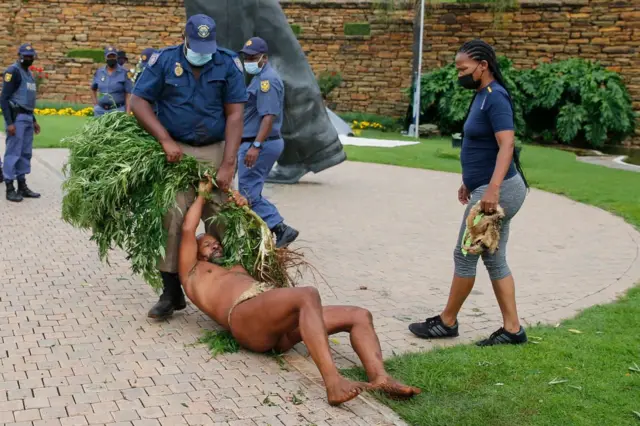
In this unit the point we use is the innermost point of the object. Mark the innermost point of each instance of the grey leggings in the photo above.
(512, 194)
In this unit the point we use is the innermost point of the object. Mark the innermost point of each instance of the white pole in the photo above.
(416, 94)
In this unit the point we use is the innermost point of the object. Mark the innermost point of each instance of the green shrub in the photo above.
(574, 101)
(96, 54)
(445, 103)
(389, 123)
(357, 29)
(297, 29)
(328, 81)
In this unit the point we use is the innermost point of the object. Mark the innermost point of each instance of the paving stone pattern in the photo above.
(77, 347)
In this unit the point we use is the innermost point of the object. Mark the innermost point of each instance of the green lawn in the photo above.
(617, 191)
(54, 128)
(565, 378)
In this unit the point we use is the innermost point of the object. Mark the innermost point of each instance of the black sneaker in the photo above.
(503, 337)
(433, 328)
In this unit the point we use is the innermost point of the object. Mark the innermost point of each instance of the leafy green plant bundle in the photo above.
(119, 187)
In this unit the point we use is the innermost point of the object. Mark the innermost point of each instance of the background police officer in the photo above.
(199, 92)
(122, 58)
(18, 100)
(262, 142)
(111, 87)
(142, 62)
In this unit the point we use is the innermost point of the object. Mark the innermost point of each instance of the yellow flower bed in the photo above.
(85, 112)
(362, 125)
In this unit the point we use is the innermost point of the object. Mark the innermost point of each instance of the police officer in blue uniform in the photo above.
(145, 55)
(262, 142)
(111, 87)
(199, 91)
(18, 100)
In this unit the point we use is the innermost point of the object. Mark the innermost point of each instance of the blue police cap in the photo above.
(110, 50)
(146, 54)
(26, 50)
(255, 46)
(201, 33)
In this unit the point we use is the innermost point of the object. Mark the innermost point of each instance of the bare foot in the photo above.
(344, 390)
(394, 388)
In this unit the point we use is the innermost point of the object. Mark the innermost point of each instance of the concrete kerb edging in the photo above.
(620, 160)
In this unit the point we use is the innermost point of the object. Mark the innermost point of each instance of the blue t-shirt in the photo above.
(192, 110)
(490, 113)
(266, 97)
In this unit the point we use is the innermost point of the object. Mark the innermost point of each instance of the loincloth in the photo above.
(253, 291)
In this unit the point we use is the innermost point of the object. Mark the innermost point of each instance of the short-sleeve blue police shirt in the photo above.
(490, 113)
(266, 97)
(112, 88)
(192, 110)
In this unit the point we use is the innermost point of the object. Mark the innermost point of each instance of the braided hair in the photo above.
(479, 50)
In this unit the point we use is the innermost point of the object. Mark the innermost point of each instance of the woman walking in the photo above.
(491, 175)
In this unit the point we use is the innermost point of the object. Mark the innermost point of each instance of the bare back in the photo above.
(214, 289)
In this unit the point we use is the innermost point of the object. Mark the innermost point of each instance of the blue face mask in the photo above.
(252, 67)
(197, 59)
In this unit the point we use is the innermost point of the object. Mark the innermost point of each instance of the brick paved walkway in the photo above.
(78, 349)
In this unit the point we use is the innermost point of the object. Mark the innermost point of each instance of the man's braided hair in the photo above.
(479, 50)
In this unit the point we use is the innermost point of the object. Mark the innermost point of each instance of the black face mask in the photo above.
(468, 82)
(111, 63)
(27, 62)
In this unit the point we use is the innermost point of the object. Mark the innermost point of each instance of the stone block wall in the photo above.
(376, 68)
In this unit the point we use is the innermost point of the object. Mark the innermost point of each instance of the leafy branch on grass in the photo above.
(219, 342)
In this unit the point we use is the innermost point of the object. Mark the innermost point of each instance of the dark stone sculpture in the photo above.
(311, 141)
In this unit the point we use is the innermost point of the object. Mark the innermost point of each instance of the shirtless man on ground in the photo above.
(262, 319)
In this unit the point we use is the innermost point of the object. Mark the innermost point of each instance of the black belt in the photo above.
(21, 110)
(270, 138)
(109, 106)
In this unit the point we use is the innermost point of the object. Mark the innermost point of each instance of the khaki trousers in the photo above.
(212, 154)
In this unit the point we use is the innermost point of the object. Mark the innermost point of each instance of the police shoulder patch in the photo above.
(265, 85)
(238, 63)
(8, 76)
(154, 58)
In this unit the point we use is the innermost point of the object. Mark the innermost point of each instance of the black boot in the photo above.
(172, 298)
(24, 190)
(1, 175)
(12, 195)
(285, 234)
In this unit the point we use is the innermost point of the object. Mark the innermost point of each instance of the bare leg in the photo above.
(505, 291)
(260, 323)
(460, 290)
(358, 322)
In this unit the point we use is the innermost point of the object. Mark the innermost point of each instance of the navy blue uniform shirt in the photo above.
(266, 97)
(11, 87)
(490, 113)
(117, 85)
(192, 110)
